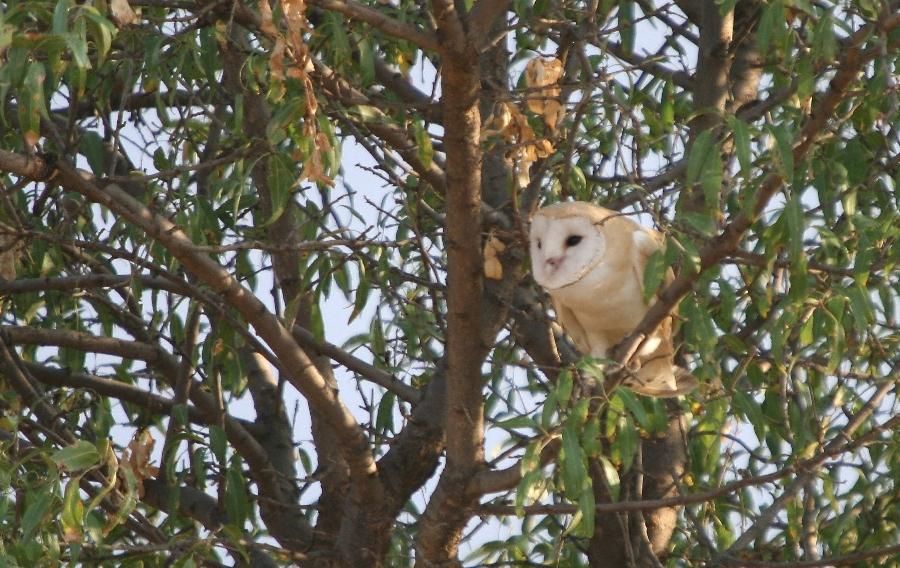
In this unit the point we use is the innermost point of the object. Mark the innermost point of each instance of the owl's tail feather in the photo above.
(666, 384)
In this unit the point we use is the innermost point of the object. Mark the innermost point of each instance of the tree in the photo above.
(183, 207)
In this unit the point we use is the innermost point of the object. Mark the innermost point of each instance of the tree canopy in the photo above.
(266, 296)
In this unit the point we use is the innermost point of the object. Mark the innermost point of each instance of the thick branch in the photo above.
(482, 17)
(88, 282)
(450, 30)
(378, 20)
(450, 508)
(110, 388)
(714, 65)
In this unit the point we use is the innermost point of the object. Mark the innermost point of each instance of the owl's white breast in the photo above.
(608, 297)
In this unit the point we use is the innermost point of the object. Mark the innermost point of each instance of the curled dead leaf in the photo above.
(136, 458)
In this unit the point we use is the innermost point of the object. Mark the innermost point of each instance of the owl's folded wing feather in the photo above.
(645, 244)
(566, 318)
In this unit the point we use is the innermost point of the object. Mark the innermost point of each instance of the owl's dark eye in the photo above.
(539, 244)
(573, 240)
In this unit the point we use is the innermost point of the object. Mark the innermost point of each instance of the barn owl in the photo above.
(591, 262)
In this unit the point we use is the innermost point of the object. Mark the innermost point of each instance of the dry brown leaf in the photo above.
(121, 13)
(493, 268)
(543, 148)
(512, 125)
(553, 111)
(521, 165)
(498, 122)
(136, 458)
(276, 60)
(541, 77)
(266, 25)
(541, 72)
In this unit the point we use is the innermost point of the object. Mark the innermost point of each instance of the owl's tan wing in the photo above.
(659, 377)
(645, 243)
(566, 318)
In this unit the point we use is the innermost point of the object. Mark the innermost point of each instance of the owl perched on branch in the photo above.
(591, 262)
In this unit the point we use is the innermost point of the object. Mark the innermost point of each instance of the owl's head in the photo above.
(566, 242)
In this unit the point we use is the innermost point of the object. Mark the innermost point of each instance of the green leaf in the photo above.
(524, 489)
(611, 476)
(423, 143)
(361, 296)
(218, 443)
(91, 145)
(72, 515)
(39, 503)
(61, 17)
(574, 471)
(77, 45)
(836, 336)
(860, 307)
(518, 423)
(626, 443)
(102, 32)
(741, 144)
(654, 274)
(548, 412)
(626, 25)
(751, 409)
(565, 383)
(281, 179)
(384, 420)
(366, 60)
(705, 167)
(793, 213)
(667, 106)
(237, 504)
(591, 443)
(588, 509)
(32, 103)
(784, 140)
(79, 456)
(634, 406)
(770, 24)
(698, 327)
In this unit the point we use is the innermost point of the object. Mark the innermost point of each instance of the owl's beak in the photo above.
(554, 261)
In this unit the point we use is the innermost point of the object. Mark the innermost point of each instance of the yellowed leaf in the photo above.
(493, 268)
